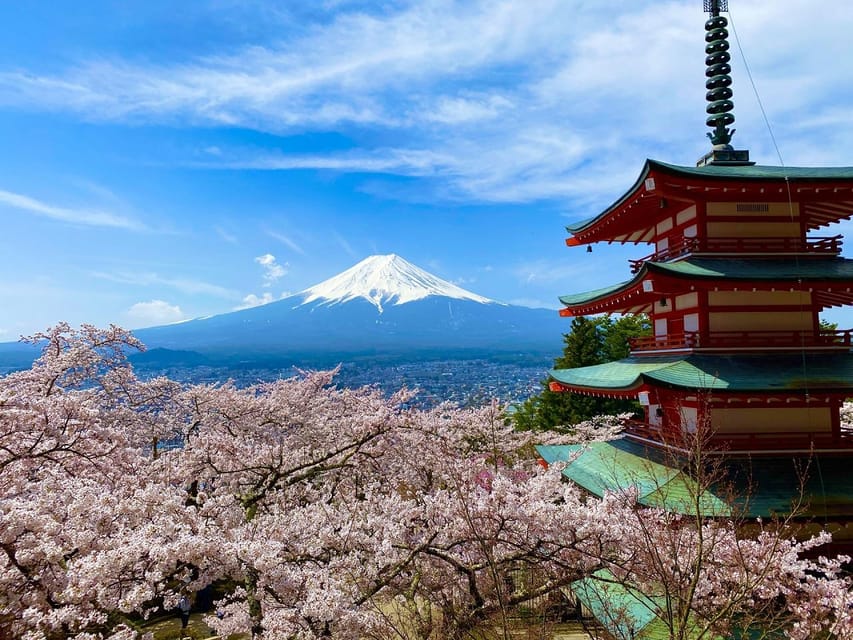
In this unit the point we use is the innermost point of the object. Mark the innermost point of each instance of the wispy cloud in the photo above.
(538, 272)
(272, 269)
(346, 246)
(225, 235)
(184, 285)
(285, 240)
(490, 100)
(77, 216)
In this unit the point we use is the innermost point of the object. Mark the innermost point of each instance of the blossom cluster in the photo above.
(333, 512)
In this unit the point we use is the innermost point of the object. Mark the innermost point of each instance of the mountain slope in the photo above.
(383, 307)
(383, 304)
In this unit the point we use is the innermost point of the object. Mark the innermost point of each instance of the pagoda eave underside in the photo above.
(760, 376)
(737, 398)
(658, 192)
(655, 281)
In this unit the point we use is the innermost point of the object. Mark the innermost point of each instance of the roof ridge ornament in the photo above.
(718, 84)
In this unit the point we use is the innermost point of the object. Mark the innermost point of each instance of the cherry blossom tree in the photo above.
(73, 485)
(332, 512)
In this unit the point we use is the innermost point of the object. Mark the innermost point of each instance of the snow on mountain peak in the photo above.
(385, 280)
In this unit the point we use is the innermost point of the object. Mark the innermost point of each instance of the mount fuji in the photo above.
(382, 307)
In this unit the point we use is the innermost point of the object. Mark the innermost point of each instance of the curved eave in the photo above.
(831, 280)
(796, 374)
(825, 195)
(619, 378)
(636, 200)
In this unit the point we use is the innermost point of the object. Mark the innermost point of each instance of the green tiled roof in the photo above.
(624, 611)
(602, 466)
(726, 172)
(760, 269)
(755, 172)
(595, 294)
(621, 374)
(763, 486)
(750, 372)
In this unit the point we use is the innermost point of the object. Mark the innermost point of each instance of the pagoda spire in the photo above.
(718, 84)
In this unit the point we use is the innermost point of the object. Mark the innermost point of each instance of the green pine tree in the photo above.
(590, 342)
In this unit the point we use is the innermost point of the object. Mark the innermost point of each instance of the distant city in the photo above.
(462, 382)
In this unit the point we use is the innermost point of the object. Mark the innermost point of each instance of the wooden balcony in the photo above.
(826, 246)
(739, 340)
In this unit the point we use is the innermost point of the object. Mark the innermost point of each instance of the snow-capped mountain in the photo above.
(385, 280)
(383, 306)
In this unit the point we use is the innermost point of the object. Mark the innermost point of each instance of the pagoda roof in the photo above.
(759, 272)
(601, 466)
(627, 612)
(770, 373)
(756, 172)
(758, 268)
(632, 217)
(762, 485)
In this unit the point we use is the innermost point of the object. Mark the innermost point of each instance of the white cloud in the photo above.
(253, 300)
(466, 109)
(87, 217)
(490, 100)
(154, 312)
(272, 269)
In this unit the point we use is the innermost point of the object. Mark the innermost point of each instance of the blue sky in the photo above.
(162, 160)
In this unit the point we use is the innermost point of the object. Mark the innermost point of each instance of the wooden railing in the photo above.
(671, 341)
(765, 246)
(841, 338)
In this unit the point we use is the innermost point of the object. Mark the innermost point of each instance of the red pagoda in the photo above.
(734, 288)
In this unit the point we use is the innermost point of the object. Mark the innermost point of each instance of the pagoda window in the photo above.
(755, 211)
(691, 323)
(660, 327)
(655, 415)
(689, 419)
